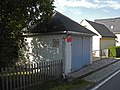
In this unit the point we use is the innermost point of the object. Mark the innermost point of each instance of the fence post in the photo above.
(21, 79)
(50, 69)
(24, 74)
(10, 75)
(6, 75)
(100, 54)
(17, 75)
(35, 65)
(61, 68)
(29, 80)
(32, 75)
(14, 79)
(38, 70)
(40, 75)
(44, 72)
(27, 76)
(3, 84)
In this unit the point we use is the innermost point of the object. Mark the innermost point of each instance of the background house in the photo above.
(112, 24)
(64, 40)
(104, 38)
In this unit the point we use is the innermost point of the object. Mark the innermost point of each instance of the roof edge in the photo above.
(48, 33)
(60, 32)
(71, 32)
(109, 36)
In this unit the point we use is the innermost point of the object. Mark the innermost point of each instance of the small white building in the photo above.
(104, 38)
(65, 40)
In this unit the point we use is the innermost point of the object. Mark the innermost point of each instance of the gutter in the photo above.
(42, 34)
(79, 33)
(58, 32)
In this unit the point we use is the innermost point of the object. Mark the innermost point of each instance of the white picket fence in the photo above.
(28, 76)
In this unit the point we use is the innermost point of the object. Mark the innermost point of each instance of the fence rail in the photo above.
(27, 76)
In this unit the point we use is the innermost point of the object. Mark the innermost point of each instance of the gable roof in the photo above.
(112, 23)
(102, 29)
(60, 22)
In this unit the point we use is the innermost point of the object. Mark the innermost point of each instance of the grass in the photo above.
(77, 84)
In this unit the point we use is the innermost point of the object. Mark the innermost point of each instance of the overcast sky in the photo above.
(88, 9)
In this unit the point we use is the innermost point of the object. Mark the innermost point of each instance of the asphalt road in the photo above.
(111, 83)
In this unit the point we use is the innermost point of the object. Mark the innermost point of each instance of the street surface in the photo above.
(111, 83)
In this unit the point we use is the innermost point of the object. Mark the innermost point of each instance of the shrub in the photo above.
(114, 51)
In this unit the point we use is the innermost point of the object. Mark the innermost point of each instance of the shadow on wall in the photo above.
(43, 49)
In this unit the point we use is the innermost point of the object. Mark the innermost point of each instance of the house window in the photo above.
(111, 27)
(55, 42)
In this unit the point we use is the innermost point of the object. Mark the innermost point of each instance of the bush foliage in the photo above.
(114, 51)
(14, 16)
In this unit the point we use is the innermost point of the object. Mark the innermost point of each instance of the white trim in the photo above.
(58, 32)
(48, 33)
(72, 32)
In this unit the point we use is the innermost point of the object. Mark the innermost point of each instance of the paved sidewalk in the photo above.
(95, 66)
(103, 73)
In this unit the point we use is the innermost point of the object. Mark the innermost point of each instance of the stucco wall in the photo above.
(47, 47)
(43, 48)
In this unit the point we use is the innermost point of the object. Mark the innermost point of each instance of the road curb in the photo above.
(71, 77)
(95, 84)
(97, 69)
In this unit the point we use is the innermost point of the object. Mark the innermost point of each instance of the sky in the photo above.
(88, 9)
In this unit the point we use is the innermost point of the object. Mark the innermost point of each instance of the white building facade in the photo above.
(74, 49)
(104, 38)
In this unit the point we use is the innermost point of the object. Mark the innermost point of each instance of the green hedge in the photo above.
(114, 51)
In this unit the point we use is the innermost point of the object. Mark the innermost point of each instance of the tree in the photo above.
(14, 16)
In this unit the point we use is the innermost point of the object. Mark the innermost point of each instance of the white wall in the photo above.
(89, 27)
(96, 46)
(28, 53)
(118, 40)
(96, 43)
(43, 47)
(68, 52)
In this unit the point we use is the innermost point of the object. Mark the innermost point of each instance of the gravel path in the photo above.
(103, 73)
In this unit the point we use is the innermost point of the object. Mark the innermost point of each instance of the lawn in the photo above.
(77, 84)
